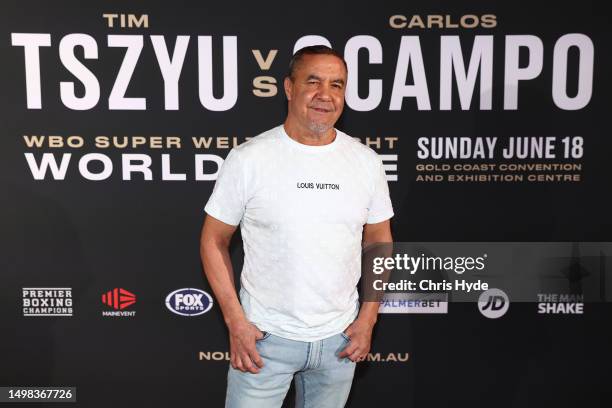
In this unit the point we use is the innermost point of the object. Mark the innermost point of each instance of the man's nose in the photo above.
(324, 92)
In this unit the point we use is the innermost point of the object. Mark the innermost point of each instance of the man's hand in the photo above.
(360, 333)
(214, 250)
(243, 353)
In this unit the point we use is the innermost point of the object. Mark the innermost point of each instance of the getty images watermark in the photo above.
(425, 277)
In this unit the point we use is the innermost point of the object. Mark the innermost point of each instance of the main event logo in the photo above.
(118, 299)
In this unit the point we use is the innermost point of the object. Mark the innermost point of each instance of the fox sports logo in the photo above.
(189, 302)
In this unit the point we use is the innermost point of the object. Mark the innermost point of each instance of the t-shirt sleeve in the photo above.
(228, 199)
(380, 208)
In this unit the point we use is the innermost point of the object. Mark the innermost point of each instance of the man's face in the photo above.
(316, 93)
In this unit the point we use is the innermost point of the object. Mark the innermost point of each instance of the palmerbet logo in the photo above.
(189, 302)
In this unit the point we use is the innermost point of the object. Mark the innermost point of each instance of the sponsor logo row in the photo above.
(492, 303)
(117, 302)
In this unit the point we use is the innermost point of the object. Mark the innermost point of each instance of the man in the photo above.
(307, 196)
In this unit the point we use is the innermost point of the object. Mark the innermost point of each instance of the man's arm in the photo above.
(214, 251)
(360, 331)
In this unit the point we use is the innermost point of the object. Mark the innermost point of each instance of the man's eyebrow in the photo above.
(317, 78)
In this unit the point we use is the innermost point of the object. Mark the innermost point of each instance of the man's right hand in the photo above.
(243, 353)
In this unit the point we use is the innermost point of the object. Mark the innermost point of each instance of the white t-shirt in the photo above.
(301, 211)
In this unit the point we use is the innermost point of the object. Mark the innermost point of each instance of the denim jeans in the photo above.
(322, 380)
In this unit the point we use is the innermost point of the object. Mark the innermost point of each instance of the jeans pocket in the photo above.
(265, 336)
(345, 337)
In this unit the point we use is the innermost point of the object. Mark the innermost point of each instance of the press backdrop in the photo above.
(191, 79)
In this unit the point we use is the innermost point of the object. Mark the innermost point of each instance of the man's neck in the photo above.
(306, 136)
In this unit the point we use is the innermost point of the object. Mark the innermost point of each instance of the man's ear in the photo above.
(288, 84)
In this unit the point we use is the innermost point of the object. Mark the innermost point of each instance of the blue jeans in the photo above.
(322, 380)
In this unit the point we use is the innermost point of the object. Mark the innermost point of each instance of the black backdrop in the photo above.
(142, 235)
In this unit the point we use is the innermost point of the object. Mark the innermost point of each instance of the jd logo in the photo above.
(493, 303)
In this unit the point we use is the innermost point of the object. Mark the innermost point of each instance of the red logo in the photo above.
(118, 298)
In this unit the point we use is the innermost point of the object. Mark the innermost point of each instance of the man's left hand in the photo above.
(360, 334)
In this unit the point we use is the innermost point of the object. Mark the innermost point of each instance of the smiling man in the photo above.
(307, 197)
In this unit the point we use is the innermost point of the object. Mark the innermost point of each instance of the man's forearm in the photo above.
(219, 272)
(374, 234)
(368, 313)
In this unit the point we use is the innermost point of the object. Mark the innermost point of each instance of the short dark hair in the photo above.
(312, 50)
